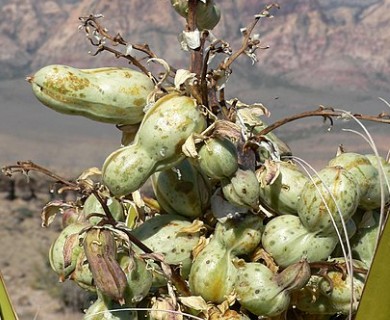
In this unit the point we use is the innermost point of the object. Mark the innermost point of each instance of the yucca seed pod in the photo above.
(360, 167)
(372, 199)
(242, 189)
(82, 274)
(316, 204)
(182, 190)
(139, 278)
(157, 145)
(258, 291)
(340, 294)
(282, 194)
(363, 243)
(69, 216)
(213, 273)
(222, 209)
(240, 236)
(65, 249)
(351, 229)
(218, 158)
(163, 234)
(92, 205)
(111, 94)
(288, 241)
(105, 309)
(320, 297)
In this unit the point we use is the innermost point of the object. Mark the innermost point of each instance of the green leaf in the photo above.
(376, 295)
(7, 311)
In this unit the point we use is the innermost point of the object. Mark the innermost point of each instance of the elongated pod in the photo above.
(111, 95)
(157, 145)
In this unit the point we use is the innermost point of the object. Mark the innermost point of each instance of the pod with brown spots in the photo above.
(111, 94)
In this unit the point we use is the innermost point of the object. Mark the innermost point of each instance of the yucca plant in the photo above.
(203, 212)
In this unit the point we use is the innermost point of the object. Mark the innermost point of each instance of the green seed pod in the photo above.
(283, 194)
(222, 209)
(213, 273)
(158, 278)
(240, 236)
(242, 189)
(360, 167)
(139, 279)
(65, 250)
(127, 169)
(106, 309)
(339, 296)
(315, 212)
(207, 14)
(319, 297)
(288, 241)
(112, 95)
(92, 205)
(82, 274)
(372, 199)
(100, 250)
(182, 190)
(351, 229)
(163, 234)
(218, 158)
(157, 145)
(69, 216)
(258, 291)
(363, 243)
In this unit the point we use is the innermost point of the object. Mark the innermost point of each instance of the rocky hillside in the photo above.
(315, 43)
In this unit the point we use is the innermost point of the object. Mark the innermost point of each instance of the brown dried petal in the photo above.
(100, 249)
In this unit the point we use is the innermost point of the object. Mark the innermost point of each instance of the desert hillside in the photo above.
(338, 44)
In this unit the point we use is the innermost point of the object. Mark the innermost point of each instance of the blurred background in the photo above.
(321, 52)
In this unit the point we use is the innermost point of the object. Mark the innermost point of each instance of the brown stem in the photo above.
(248, 31)
(203, 71)
(135, 240)
(334, 266)
(133, 60)
(26, 166)
(222, 102)
(179, 283)
(92, 21)
(327, 113)
(191, 26)
(106, 209)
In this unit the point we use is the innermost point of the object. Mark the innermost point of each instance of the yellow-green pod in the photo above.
(110, 95)
(183, 190)
(157, 145)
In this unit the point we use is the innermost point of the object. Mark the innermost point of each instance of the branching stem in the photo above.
(327, 114)
(247, 36)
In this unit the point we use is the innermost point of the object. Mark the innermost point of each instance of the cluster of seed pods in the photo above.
(192, 215)
(207, 216)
